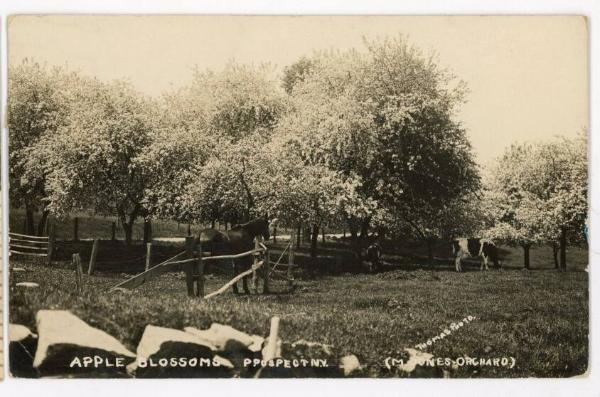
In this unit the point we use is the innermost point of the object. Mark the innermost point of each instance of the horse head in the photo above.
(263, 227)
(256, 227)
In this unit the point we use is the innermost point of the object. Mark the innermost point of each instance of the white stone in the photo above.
(18, 332)
(312, 346)
(219, 335)
(18, 270)
(257, 342)
(28, 284)
(154, 337)
(349, 364)
(22, 347)
(223, 362)
(56, 327)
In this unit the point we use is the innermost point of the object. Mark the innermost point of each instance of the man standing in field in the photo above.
(374, 257)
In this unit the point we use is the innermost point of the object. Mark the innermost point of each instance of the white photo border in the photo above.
(316, 387)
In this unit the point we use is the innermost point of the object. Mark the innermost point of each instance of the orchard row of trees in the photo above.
(537, 194)
(365, 140)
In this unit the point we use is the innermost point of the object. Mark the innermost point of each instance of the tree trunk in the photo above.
(298, 236)
(526, 248)
(189, 231)
(128, 230)
(313, 245)
(212, 224)
(76, 229)
(274, 234)
(113, 231)
(353, 230)
(344, 232)
(364, 228)
(147, 231)
(563, 248)
(355, 242)
(323, 235)
(430, 251)
(29, 221)
(42, 223)
(307, 234)
(555, 254)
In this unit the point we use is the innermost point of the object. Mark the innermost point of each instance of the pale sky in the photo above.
(528, 76)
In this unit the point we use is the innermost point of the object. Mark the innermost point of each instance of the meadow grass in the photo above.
(539, 317)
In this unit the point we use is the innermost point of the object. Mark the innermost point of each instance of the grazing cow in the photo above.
(374, 257)
(474, 247)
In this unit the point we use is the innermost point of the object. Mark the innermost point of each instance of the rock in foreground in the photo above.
(27, 284)
(170, 353)
(236, 346)
(68, 345)
(22, 344)
(304, 359)
(415, 366)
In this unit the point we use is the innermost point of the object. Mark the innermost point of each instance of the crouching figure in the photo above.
(374, 257)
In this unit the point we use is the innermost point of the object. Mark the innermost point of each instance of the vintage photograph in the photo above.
(298, 196)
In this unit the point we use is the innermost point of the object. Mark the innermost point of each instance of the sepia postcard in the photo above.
(298, 196)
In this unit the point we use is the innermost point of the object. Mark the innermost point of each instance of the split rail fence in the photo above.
(194, 260)
(32, 246)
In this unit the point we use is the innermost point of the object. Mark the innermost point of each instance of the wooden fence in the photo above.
(194, 260)
(32, 246)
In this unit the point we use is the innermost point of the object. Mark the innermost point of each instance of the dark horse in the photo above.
(240, 238)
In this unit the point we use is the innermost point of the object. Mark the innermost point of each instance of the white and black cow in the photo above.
(474, 247)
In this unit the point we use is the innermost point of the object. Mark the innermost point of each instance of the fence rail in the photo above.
(154, 271)
(34, 246)
(28, 237)
(21, 240)
(194, 259)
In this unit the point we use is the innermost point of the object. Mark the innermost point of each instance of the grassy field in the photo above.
(539, 317)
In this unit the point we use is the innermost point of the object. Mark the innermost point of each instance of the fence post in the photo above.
(147, 231)
(51, 237)
(254, 262)
(200, 272)
(271, 348)
(93, 257)
(78, 272)
(148, 255)
(265, 272)
(113, 231)
(290, 274)
(190, 244)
